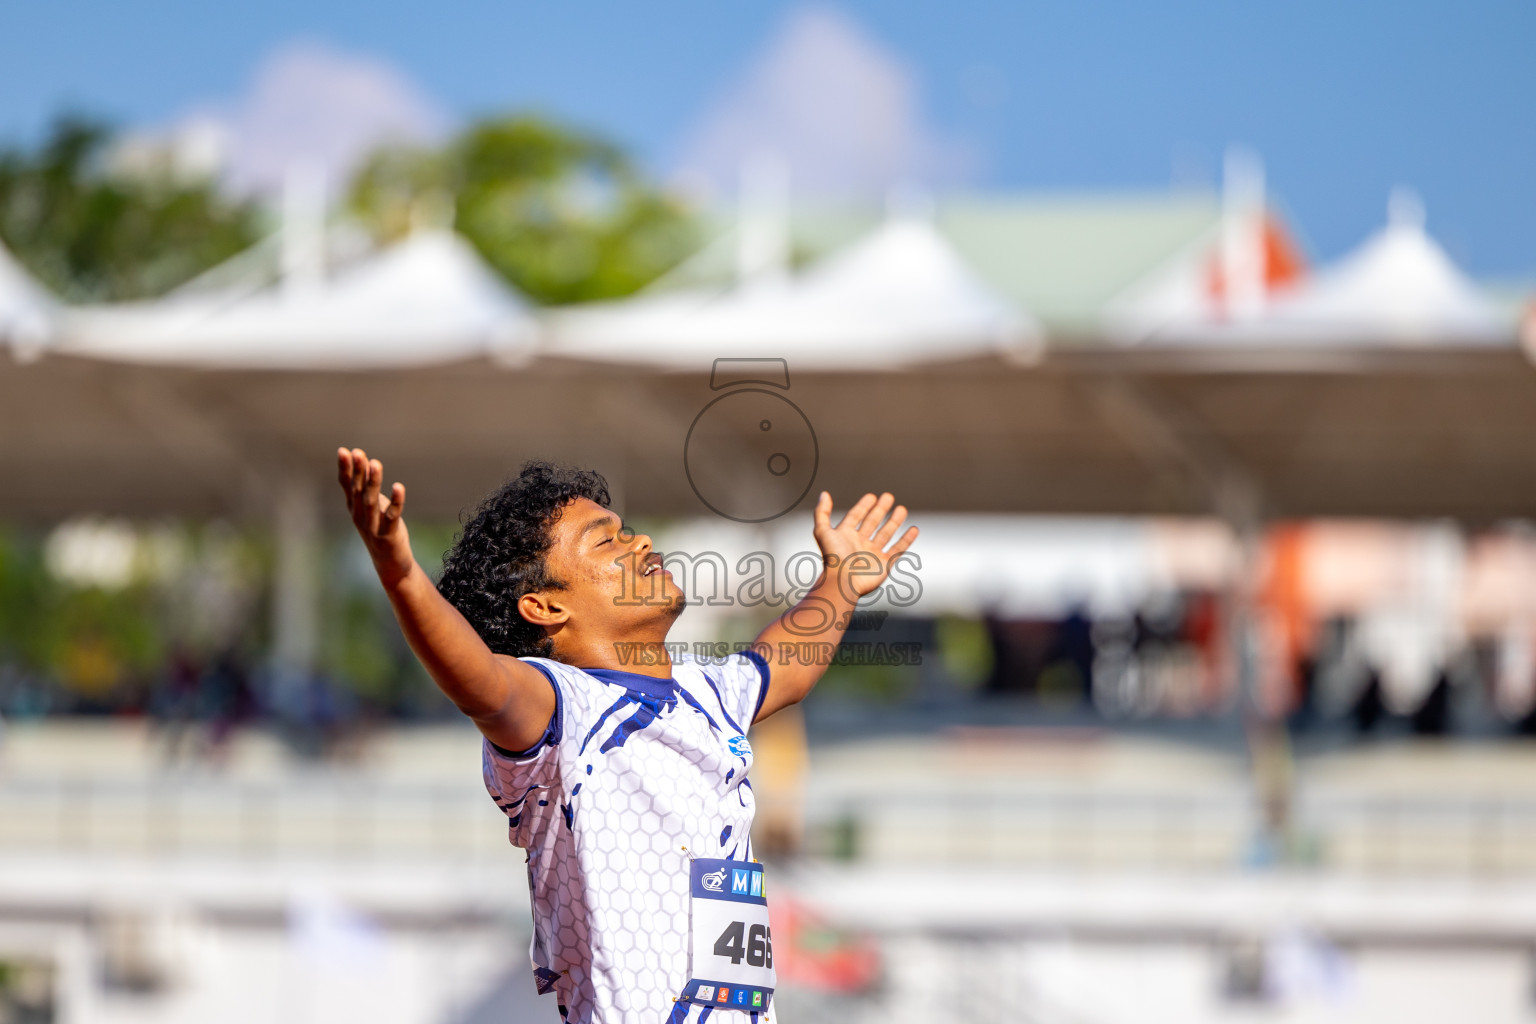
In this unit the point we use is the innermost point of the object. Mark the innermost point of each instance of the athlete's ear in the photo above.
(543, 608)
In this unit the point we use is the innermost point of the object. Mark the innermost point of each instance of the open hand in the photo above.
(858, 549)
(377, 518)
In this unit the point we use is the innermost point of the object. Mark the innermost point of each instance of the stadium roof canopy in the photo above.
(1391, 430)
(1061, 258)
(899, 296)
(428, 299)
(1397, 289)
(1408, 434)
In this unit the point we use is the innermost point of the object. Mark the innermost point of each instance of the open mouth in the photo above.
(652, 564)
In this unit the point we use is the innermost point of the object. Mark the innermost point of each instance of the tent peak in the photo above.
(909, 202)
(1405, 209)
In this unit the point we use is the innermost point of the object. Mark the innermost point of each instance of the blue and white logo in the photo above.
(714, 881)
(739, 746)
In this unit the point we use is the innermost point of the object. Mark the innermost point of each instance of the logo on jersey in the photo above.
(739, 746)
(706, 991)
(714, 881)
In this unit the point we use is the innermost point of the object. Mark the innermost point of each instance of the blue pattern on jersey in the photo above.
(729, 720)
(647, 709)
(644, 715)
(623, 700)
(698, 707)
(512, 805)
(725, 834)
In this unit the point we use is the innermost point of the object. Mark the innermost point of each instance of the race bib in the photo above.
(731, 959)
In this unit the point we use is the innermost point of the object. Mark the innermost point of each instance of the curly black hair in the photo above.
(499, 556)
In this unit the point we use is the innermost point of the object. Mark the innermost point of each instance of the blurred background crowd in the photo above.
(1217, 430)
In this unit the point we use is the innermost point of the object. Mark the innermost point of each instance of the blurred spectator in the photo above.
(174, 706)
(1433, 718)
(225, 701)
(1369, 708)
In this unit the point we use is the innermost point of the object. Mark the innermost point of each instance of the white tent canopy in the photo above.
(1399, 288)
(898, 297)
(427, 300)
(28, 314)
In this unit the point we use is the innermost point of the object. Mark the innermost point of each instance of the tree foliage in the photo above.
(564, 216)
(93, 235)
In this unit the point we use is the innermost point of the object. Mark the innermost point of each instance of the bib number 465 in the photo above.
(738, 943)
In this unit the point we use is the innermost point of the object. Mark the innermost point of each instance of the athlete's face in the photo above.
(612, 575)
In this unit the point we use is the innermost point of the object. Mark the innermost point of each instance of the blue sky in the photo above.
(1343, 101)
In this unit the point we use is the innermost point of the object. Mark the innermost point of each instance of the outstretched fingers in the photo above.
(344, 470)
(373, 482)
(352, 472)
(871, 524)
(854, 517)
(901, 545)
(883, 535)
(359, 470)
(348, 468)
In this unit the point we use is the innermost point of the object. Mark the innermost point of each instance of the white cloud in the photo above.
(843, 112)
(307, 105)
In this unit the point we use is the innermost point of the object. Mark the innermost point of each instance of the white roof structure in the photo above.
(427, 300)
(28, 314)
(1399, 289)
(899, 297)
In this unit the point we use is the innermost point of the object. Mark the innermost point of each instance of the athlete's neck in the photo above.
(642, 656)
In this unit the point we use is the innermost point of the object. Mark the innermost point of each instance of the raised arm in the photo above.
(509, 701)
(857, 555)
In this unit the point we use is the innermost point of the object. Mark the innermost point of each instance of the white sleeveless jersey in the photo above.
(631, 771)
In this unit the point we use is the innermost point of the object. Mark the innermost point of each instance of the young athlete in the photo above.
(622, 771)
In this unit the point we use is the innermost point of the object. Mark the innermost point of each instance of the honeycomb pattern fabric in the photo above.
(632, 771)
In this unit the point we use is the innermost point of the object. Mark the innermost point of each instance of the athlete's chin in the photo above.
(673, 598)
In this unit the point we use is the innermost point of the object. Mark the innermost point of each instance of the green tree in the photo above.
(563, 215)
(93, 235)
